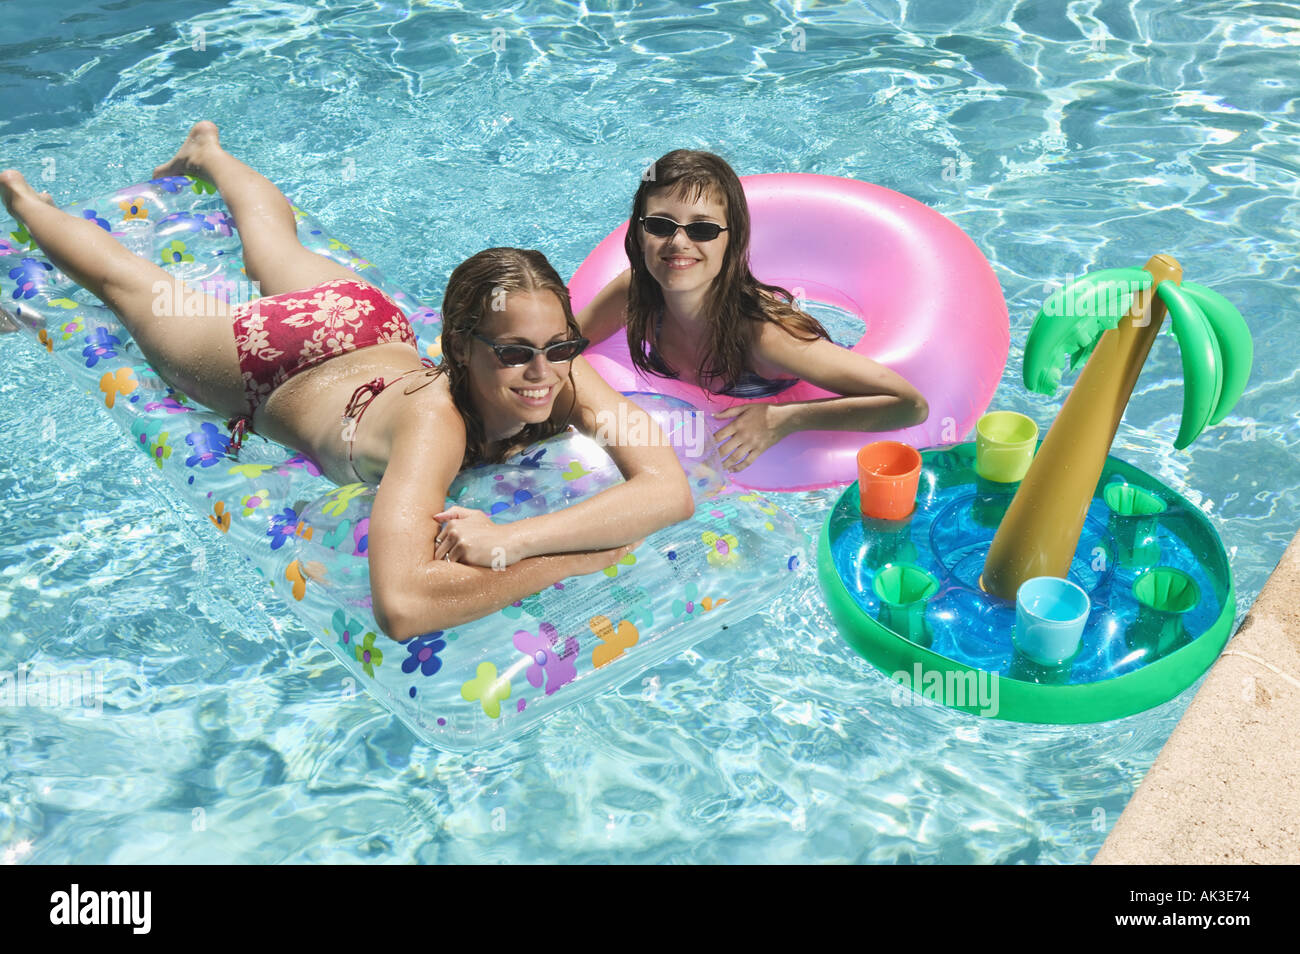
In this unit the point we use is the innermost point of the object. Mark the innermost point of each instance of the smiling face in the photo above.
(507, 399)
(677, 263)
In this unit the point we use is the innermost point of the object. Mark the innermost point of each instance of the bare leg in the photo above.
(195, 354)
(273, 256)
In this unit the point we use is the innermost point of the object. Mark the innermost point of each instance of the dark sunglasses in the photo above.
(515, 355)
(661, 227)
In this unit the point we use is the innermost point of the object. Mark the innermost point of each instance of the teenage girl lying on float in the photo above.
(324, 342)
(692, 307)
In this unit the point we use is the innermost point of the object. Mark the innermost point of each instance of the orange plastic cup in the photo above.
(888, 475)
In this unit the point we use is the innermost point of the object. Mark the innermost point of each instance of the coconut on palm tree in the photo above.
(1109, 319)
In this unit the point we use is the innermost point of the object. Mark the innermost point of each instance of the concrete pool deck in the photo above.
(1225, 788)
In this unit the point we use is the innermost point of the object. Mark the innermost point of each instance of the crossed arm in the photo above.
(415, 590)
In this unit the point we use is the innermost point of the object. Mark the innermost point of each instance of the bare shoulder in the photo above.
(774, 347)
(428, 436)
(607, 310)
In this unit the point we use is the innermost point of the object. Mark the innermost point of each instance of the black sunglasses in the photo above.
(661, 227)
(516, 355)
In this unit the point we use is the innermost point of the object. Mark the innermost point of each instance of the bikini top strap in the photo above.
(356, 405)
(239, 426)
(365, 394)
(657, 364)
(426, 365)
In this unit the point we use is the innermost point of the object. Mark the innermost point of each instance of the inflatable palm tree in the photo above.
(1109, 319)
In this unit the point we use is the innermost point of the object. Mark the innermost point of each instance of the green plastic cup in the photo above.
(1165, 595)
(905, 590)
(1004, 446)
(1134, 514)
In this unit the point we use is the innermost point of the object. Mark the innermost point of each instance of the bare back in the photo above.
(306, 411)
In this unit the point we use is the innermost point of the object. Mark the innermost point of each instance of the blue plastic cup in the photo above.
(1050, 616)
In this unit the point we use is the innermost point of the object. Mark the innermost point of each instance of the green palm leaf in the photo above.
(1073, 319)
(1202, 361)
(1234, 344)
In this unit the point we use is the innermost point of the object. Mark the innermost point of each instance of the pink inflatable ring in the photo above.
(932, 308)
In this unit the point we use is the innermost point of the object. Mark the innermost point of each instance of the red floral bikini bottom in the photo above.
(282, 335)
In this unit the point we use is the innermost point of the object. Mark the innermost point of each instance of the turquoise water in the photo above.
(1063, 139)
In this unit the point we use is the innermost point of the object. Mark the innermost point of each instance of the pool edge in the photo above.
(1225, 789)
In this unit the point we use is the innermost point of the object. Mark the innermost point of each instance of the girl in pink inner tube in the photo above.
(694, 310)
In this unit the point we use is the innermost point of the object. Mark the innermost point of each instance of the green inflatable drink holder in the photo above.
(1151, 632)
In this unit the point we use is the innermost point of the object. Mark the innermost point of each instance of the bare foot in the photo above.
(14, 190)
(189, 159)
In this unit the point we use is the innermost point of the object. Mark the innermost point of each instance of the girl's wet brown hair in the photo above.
(735, 304)
(478, 285)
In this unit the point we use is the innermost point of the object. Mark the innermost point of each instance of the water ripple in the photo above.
(1063, 138)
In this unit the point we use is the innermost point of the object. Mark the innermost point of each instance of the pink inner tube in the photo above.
(932, 307)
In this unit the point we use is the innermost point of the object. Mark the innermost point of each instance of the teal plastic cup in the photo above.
(1050, 616)
(1005, 442)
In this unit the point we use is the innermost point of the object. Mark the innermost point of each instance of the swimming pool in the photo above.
(1061, 142)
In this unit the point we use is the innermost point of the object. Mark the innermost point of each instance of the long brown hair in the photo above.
(734, 305)
(476, 287)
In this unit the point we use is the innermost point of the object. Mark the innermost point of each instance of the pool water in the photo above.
(1063, 138)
